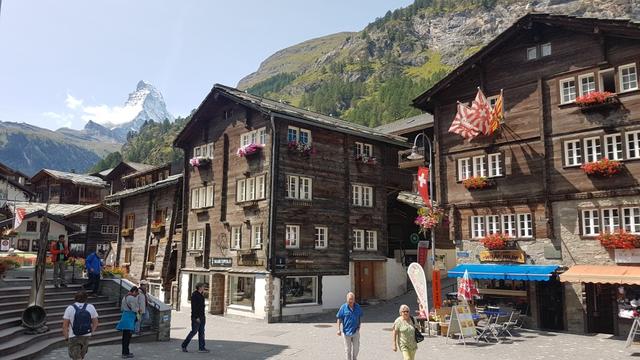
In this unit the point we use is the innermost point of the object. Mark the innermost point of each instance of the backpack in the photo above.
(81, 321)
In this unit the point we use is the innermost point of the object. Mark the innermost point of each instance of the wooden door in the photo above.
(364, 280)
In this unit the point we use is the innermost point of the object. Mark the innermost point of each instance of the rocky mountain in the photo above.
(370, 77)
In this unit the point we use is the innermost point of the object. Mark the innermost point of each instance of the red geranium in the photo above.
(477, 183)
(596, 97)
(618, 240)
(497, 241)
(604, 167)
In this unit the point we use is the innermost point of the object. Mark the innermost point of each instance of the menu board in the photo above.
(462, 321)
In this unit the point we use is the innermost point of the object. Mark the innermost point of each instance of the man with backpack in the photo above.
(79, 321)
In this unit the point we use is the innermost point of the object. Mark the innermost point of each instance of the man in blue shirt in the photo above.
(349, 316)
(93, 263)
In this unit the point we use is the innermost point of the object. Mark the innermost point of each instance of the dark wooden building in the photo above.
(61, 187)
(286, 210)
(541, 197)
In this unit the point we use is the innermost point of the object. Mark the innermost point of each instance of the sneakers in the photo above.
(205, 351)
(184, 349)
(128, 356)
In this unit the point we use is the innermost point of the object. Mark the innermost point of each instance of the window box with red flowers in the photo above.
(478, 183)
(199, 161)
(369, 160)
(597, 100)
(430, 217)
(301, 148)
(619, 240)
(248, 150)
(497, 241)
(602, 168)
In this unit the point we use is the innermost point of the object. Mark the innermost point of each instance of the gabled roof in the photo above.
(78, 179)
(149, 170)
(62, 210)
(169, 181)
(7, 169)
(613, 27)
(128, 167)
(17, 185)
(292, 113)
(407, 125)
(8, 223)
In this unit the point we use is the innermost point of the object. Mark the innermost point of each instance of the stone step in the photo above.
(17, 321)
(7, 298)
(56, 325)
(48, 302)
(9, 282)
(26, 289)
(57, 308)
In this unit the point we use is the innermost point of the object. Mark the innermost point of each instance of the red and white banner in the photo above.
(481, 113)
(419, 282)
(467, 288)
(462, 124)
(423, 184)
(18, 217)
(423, 252)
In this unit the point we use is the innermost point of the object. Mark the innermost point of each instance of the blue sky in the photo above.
(59, 60)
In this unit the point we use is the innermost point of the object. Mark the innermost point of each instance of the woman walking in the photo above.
(404, 334)
(127, 324)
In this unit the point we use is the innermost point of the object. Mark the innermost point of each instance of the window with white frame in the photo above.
(495, 168)
(478, 166)
(292, 237)
(567, 91)
(493, 224)
(610, 220)
(545, 49)
(525, 226)
(236, 237)
(633, 144)
(196, 239)
(631, 219)
(572, 155)
(203, 151)
(298, 135)
(371, 240)
(587, 84)
(260, 186)
(532, 53)
(258, 137)
(591, 149)
(250, 189)
(202, 197)
(109, 229)
(322, 233)
(364, 150)
(477, 227)
(299, 187)
(358, 239)
(613, 147)
(256, 236)
(509, 225)
(590, 222)
(241, 190)
(628, 77)
(464, 169)
(361, 195)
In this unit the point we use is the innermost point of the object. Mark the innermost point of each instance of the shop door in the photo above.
(364, 280)
(551, 304)
(600, 301)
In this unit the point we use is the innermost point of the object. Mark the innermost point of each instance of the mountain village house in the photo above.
(539, 192)
(286, 210)
(60, 187)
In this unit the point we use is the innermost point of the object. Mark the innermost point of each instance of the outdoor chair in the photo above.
(508, 325)
(487, 329)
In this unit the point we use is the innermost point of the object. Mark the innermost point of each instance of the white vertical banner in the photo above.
(419, 281)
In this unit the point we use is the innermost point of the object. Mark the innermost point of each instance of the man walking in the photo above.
(79, 321)
(143, 301)
(349, 316)
(197, 320)
(59, 253)
(93, 263)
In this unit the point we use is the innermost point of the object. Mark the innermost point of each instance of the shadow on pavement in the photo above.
(229, 349)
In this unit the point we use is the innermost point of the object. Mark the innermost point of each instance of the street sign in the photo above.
(220, 262)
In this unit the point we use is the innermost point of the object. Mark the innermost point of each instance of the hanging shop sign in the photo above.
(513, 256)
(627, 256)
(220, 262)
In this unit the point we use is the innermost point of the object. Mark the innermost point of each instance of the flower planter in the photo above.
(126, 232)
(478, 183)
(300, 148)
(248, 150)
(496, 241)
(602, 168)
(157, 228)
(619, 240)
(199, 161)
(429, 218)
(369, 160)
(598, 100)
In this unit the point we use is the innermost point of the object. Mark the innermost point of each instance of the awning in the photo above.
(603, 274)
(505, 271)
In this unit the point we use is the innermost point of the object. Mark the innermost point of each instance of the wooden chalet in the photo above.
(114, 176)
(539, 192)
(286, 210)
(61, 187)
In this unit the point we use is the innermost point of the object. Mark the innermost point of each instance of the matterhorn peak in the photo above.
(143, 84)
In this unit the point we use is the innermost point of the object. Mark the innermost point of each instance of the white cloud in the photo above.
(72, 102)
(61, 120)
(105, 114)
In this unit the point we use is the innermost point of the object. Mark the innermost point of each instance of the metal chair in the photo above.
(487, 329)
(510, 324)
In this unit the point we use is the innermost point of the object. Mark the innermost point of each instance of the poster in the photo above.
(423, 251)
(5, 244)
(419, 281)
(462, 322)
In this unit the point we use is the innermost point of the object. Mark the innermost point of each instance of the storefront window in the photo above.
(506, 294)
(195, 279)
(301, 290)
(23, 244)
(241, 289)
(628, 299)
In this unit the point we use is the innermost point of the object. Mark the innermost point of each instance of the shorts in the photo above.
(78, 346)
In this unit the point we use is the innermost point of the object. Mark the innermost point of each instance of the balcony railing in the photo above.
(405, 163)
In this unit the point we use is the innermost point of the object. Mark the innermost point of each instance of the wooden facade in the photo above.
(68, 188)
(98, 229)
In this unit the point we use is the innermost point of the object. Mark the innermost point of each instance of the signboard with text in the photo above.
(514, 256)
(220, 262)
(437, 289)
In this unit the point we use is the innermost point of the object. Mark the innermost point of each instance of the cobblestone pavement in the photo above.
(239, 339)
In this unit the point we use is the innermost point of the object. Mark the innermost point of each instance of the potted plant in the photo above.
(497, 241)
(248, 150)
(113, 272)
(477, 183)
(429, 217)
(619, 239)
(198, 161)
(596, 99)
(602, 168)
(157, 226)
(302, 148)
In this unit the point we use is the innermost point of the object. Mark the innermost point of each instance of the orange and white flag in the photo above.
(497, 113)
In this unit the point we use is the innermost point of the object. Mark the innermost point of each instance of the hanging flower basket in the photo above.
(602, 168)
(198, 161)
(477, 183)
(248, 150)
(619, 240)
(369, 160)
(302, 148)
(497, 241)
(597, 100)
(430, 217)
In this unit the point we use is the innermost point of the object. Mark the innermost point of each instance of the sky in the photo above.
(64, 62)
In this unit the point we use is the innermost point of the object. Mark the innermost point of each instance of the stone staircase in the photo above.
(15, 344)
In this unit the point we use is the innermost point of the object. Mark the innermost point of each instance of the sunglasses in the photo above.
(405, 311)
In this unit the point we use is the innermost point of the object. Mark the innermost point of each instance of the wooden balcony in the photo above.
(404, 163)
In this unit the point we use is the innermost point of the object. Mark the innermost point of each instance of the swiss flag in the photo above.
(423, 184)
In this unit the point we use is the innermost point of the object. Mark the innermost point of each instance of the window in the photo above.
(32, 226)
(364, 150)
(131, 221)
(613, 147)
(301, 290)
(292, 237)
(109, 229)
(292, 134)
(525, 225)
(241, 188)
(494, 165)
(358, 239)
(260, 194)
(532, 53)
(477, 227)
(631, 220)
(567, 91)
(587, 84)
(371, 240)
(478, 166)
(361, 195)
(258, 136)
(202, 197)
(633, 144)
(628, 78)
(256, 236)
(572, 154)
(204, 151)
(195, 279)
(305, 137)
(196, 239)
(127, 255)
(607, 81)
(302, 136)
(98, 215)
(82, 227)
(321, 237)
(464, 169)
(299, 187)
(23, 244)
(241, 290)
(509, 225)
(493, 224)
(591, 149)
(590, 223)
(545, 49)
(610, 220)
(250, 189)
(236, 237)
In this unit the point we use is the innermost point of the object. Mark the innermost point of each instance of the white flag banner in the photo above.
(419, 281)
(18, 217)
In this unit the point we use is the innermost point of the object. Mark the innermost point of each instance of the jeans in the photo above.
(351, 346)
(126, 339)
(58, 272)
(144, 318)
(94, 283)
(196, 327)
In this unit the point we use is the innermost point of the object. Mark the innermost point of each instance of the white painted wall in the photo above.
(334, 290)
(396, 278)
(259, 300)
(185, 305)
